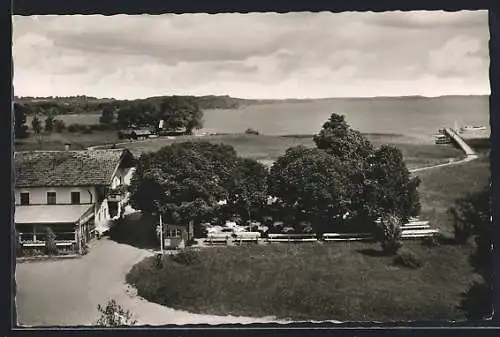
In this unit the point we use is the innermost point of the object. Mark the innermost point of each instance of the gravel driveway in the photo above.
(67, 292)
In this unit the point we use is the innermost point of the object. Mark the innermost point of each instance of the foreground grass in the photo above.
(330, 281)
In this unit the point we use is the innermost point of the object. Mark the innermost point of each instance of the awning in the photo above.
(50, 214)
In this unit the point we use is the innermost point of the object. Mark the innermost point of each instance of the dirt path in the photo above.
(67, 292)
(452, 163)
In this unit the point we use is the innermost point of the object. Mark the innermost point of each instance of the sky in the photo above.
(257, 55)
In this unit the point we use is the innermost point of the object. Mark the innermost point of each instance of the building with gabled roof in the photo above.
(72, 192)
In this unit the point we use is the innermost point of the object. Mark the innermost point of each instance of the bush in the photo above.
(389, 233)
(408, 259)
(187, 257)
(477, 302)
(74, 127)
(87, 130)
(114, 315)
(462, 232)
(59, 125)
(431, 241)
(50, 242)
(19, 246)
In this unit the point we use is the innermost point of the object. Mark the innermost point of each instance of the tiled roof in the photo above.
(66, 168)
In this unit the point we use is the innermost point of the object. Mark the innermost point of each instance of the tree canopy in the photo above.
(312, 183)
(337, 138)
(176, 111)
(247, 190)
(394, 190)
(185, 181)
(345, 180)
(20, 127)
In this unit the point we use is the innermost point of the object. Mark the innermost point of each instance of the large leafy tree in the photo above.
(179, 112)
(380, 182)
(183, 181)
(20, 127)
(36, 124)
(139, 113)
(247, 191)
(49, 123)
(395, 190)
(339, 139)
(311, 185)
(107, 116)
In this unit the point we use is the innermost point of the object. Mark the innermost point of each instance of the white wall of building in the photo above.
(38, 195)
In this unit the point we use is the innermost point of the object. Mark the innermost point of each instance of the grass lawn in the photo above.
(269, 148)
(329, 281)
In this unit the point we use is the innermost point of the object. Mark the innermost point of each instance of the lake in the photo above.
(416, 117)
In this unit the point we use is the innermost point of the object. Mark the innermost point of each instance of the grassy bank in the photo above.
(441, 186)
(330, 281)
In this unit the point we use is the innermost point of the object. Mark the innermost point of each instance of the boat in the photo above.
(441, 139)
(468, 128)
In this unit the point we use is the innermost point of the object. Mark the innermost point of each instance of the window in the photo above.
(51, 198)
(173, 233)
(75, 198)
(25, 198)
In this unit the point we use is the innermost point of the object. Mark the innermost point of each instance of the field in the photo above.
(84, 119)
(56, 141)
(328, 281)
(264, 148)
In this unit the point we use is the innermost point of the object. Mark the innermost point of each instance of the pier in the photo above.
(455, 137)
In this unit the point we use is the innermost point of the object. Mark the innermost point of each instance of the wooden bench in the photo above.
(217, 238)
(247, 237)
(292, 238)
(42, 244)
(410, 234)
(346, 236)
(411, 227)
(416, 223)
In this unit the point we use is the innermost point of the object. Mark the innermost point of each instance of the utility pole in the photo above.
(161, 235)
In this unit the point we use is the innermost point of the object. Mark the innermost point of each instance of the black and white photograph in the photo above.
(240, 168)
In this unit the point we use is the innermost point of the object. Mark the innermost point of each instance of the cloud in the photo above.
(252, 55)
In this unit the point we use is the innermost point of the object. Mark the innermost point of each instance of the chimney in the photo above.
(67, 146)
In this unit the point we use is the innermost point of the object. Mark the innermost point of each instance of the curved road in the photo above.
(67, 292)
